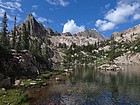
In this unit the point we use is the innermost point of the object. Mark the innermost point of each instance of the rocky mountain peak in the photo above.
(91, 33)
(32, 26)
(29, 17)
(88, 37)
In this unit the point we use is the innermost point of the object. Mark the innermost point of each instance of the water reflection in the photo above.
(87, 86)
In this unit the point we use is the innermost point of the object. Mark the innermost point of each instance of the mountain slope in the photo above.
(127, 35)
(87, 37)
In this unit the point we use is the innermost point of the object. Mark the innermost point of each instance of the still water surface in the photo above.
(88, 86)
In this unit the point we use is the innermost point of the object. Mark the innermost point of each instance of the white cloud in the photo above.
(58, 2)
(128, 1)
(104, 25)
(9, 17)
(99, 23)
(35, 7)
(107, 5)
(72, 27)
(41, 19)
(11, 6)
(18, 0)
(2, 11)
(122, 13)
(125, 11)
(34, 14)
(136, 17)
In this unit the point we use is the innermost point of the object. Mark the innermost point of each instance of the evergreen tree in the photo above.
(95, 45)
(34, 47)
(112, 46)
(25, 38)
(4, 39)
(14, 35)
(18, 45)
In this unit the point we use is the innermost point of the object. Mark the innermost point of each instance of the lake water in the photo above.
(88, 86)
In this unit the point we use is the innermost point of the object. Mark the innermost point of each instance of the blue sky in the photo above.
(106, 16)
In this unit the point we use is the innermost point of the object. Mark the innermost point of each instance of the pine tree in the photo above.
(14, 35)
(95, 45)
(112, 46)
(34, 47)
(4, 39)
(18, 45)
(25, 38)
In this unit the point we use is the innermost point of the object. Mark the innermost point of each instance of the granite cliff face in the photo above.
(32, 26)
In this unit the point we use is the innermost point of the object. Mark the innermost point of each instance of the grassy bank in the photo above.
(18, 95)
(13, 97)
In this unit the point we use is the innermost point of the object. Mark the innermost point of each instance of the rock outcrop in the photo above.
(17, 64)
(91, 33)
(109, 67)
(128, 59)
(127, 35)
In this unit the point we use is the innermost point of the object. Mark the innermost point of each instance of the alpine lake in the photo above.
(86, 85)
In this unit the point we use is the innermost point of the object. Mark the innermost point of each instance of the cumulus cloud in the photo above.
(124, 11)
(72, 27)
(104, 25)
(58, 2)
(136, 17)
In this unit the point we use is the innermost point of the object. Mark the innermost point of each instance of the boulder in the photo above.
(109, 67)
(5, 82)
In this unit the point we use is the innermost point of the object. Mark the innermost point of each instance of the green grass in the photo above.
(17, 95)
(13, 97)
(47, 74)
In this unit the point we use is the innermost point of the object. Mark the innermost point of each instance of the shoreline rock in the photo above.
(109, 67)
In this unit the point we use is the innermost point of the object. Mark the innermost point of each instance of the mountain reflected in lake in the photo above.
(87, 86)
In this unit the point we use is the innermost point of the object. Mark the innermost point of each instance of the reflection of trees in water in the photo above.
(114, 87)
(123, 83)
(82, 73)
